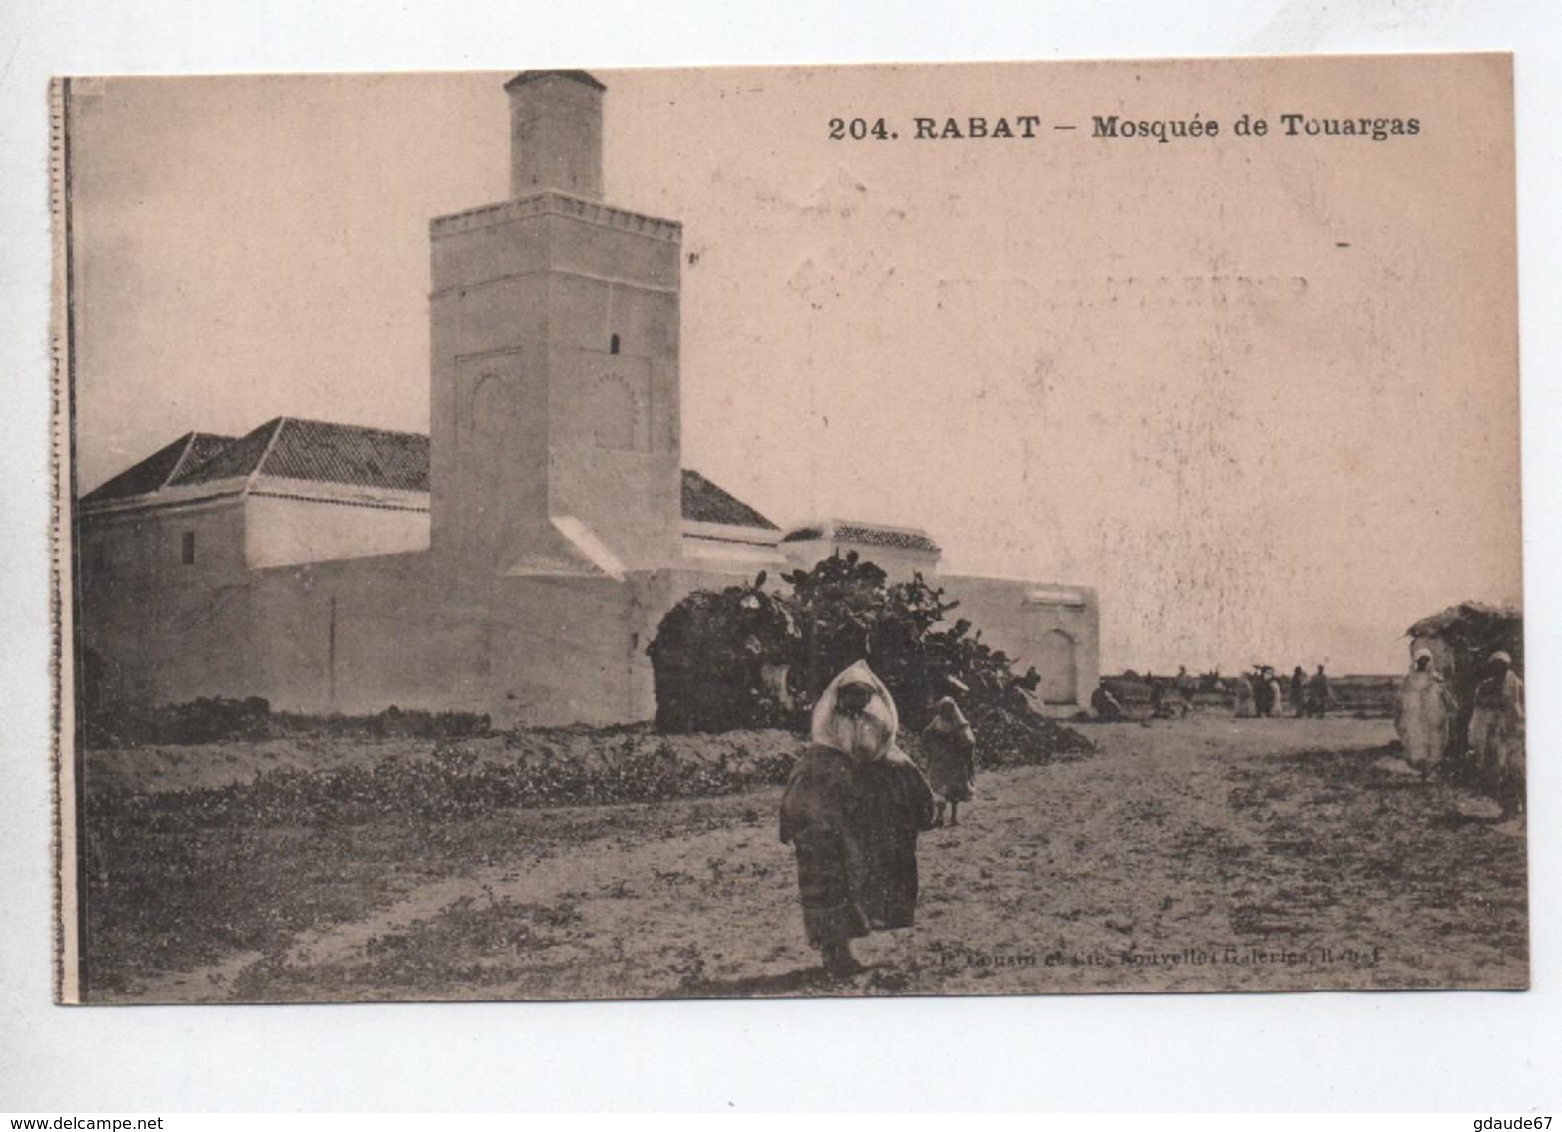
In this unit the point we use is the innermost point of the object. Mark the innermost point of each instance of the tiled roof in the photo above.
(203, 447)
(166, 465)
(348, 454)
(239, 458)
(868, 534)
(289, 448)
(884, 536)
(324, 452)
(704, 502)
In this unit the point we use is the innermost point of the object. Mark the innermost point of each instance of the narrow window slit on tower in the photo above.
(612, 344)
(187, 549)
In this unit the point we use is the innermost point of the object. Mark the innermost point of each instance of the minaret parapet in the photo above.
(558, 204)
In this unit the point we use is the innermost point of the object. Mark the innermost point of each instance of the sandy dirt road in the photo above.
(1206, 854)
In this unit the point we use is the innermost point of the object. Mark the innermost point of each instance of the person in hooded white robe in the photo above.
(852, 811)
(1424, 714)
(1497, 734)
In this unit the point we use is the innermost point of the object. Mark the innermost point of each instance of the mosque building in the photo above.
(517, 560)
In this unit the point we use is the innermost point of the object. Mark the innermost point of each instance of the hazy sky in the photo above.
(1260, 392)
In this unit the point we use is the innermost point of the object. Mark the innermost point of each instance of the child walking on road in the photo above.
(951, 763)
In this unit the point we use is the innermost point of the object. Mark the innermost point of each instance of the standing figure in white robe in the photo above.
(1497, 734)
(1424, 714)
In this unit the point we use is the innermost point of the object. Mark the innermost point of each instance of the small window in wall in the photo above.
(612, 345)
(187, 548)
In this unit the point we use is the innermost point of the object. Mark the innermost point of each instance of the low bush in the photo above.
(200, 720)
(528, 770)
(1012, 738)
(392, 723)
(453, 783)
(220, 720)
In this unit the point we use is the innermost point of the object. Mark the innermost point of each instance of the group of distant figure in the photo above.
(1483, 744)
(1308, 697)
(1259, 694)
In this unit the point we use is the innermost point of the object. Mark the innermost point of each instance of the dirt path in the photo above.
(1210, 853)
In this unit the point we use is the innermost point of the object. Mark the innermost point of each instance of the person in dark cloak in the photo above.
(1299, 692)
(852, 811)
(951, 759)
(1264, 686)
(1319, 695)
(1497, 734)
(1105, 705)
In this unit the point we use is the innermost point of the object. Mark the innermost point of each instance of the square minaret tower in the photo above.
(554, 398)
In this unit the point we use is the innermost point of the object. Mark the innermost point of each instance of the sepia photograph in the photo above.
(945, 529)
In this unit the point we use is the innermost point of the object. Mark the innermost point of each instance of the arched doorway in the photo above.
(1059, 674)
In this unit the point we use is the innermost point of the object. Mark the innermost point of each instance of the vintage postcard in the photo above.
(946, 529)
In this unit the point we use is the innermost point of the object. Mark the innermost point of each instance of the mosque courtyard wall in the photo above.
(359, 635)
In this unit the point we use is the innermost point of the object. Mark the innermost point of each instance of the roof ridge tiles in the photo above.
(276, 433)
